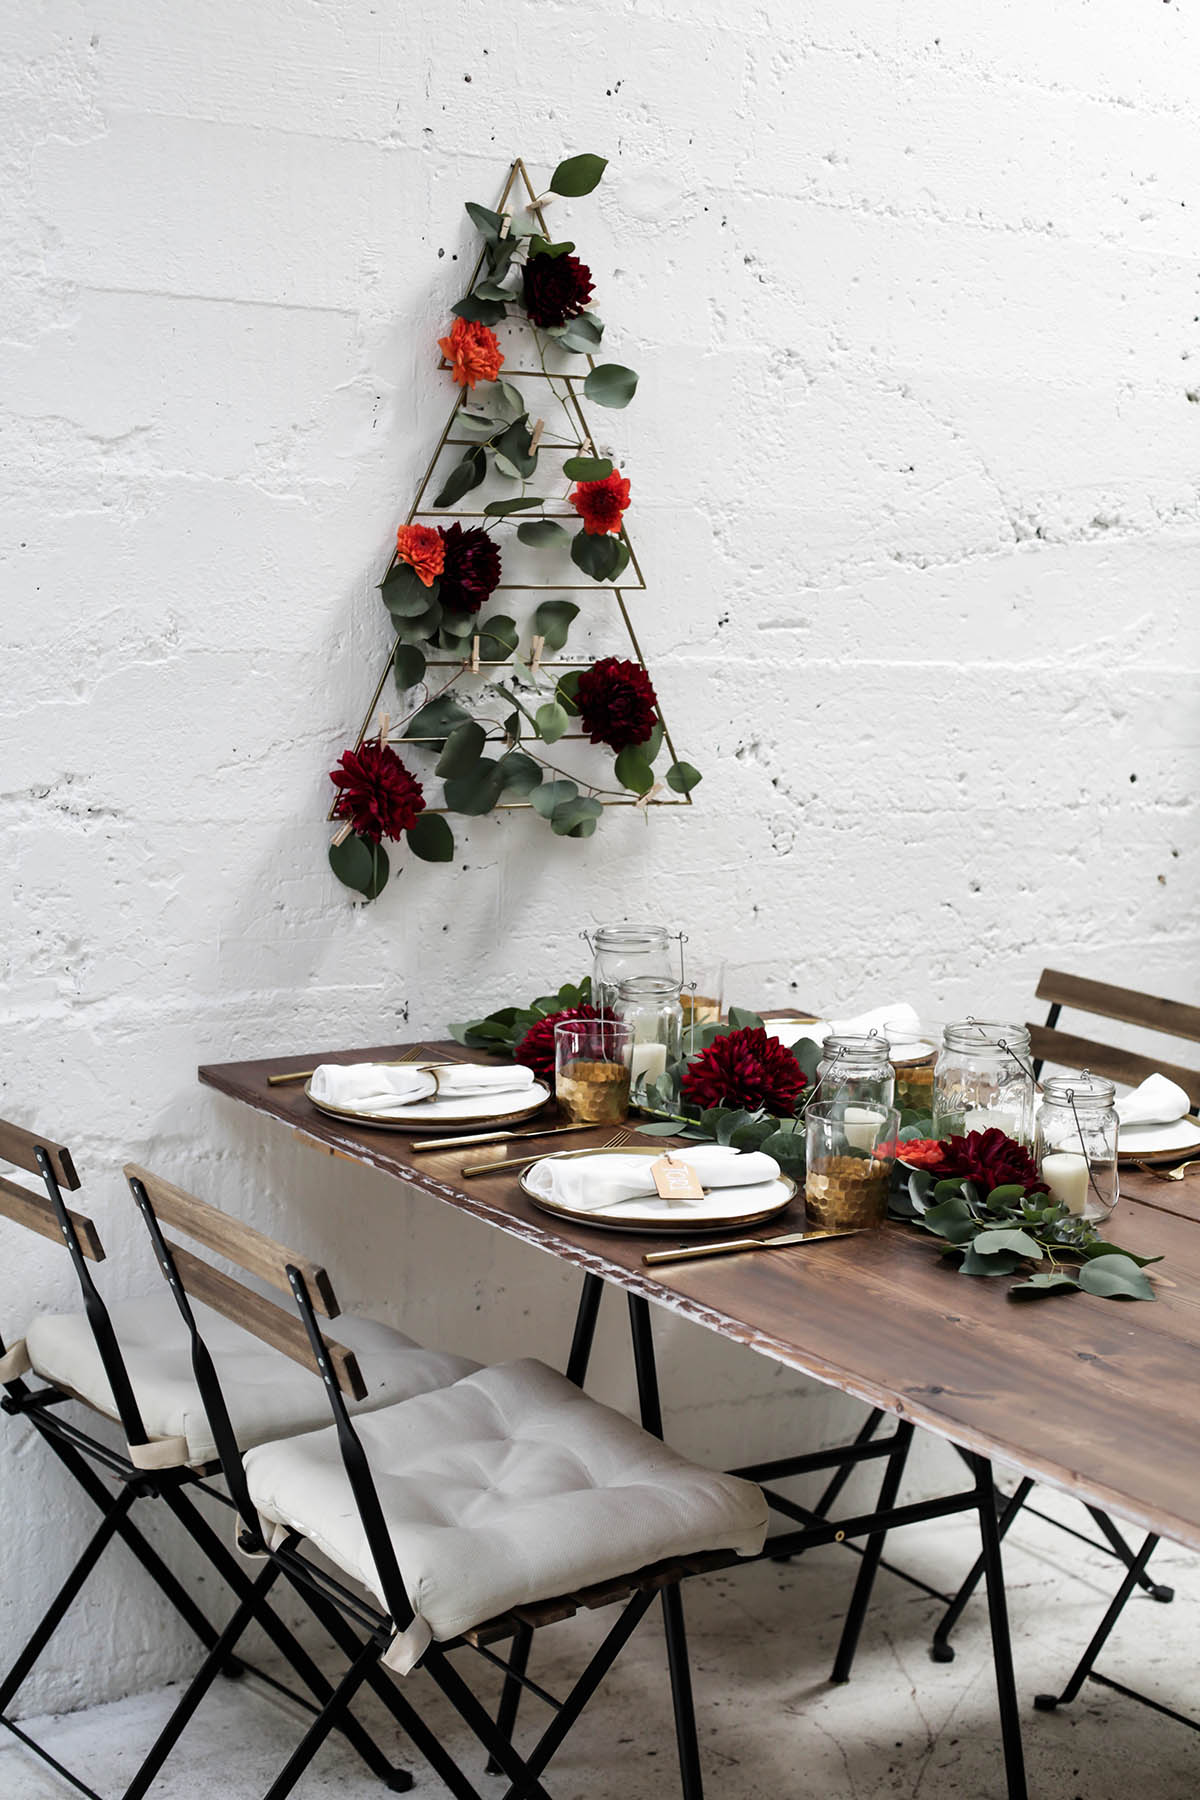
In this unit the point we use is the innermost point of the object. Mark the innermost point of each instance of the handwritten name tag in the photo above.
(676, 1180)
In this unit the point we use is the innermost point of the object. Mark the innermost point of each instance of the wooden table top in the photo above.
(1096, 1397)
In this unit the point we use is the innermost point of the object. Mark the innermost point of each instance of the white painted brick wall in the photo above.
(913, 292)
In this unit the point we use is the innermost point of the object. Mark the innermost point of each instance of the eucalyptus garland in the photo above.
(441, 578)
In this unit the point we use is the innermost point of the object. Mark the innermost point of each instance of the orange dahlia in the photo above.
(473, 352)
(421, 547)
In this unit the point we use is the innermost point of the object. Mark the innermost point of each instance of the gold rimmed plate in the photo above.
(450, 1113)
(722, 1209)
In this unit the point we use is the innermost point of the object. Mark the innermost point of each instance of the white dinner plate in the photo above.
(721, 1209)
(1158, 1140)
(451, 1113)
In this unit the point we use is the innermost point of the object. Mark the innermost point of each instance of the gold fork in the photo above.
(1176, 1174)
(616, 1142)
(420, 1053)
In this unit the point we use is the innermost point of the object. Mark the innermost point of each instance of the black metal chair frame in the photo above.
(86, 1458)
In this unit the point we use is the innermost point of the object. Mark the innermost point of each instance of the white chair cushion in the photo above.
(268, 1395)
(509, 1487)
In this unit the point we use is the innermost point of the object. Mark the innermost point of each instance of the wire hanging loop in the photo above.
(1092, 1182)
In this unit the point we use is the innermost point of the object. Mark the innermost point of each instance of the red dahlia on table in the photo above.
(470, 568)
(990, 1158)
(600, 504)
(376, 792)
(745, 1068)
(555, 288)
(536, 1048)
(616, 703)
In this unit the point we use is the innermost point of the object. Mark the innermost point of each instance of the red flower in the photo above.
(536, 1048)
(745, 1068)
(473, 352)
(918, 1153)
(376, 792)
(990, 1158)
(420, 546)
(556, 288)
(471, 567)
(601, 503)
(616, 703)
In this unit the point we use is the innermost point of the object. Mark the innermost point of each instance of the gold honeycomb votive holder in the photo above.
(849, 1156)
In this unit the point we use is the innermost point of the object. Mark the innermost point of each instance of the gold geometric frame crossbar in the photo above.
(582, 444)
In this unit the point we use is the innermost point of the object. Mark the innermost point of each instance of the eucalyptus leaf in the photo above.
(500, 509)
(478, 790)
(583, 333)
(505, 467)
(992, 1243)
(1115, 1277)
(553, 619)
(408, 662)
(552, 794)
(492, 290)
(682, 777)
(541, 532)
(599, 554)
(587, 468)
(653, 743)
(578, 175)
(404, 593)
(542, 246)
(497, 636)
(489, 222)
(421, 626)
(1098, 1247)
(513, 444)
(951, 1219)
(480, 312)
(567, 688)
(476, 425)
(436, 721)
(551, 722)
(464, 476)
(633, 771)
(742, 1019)
(360, 865)
(464, 747)
(430, 838)
(1046, 1281)
(1005, 1262)
(521, 773)
(610, 384)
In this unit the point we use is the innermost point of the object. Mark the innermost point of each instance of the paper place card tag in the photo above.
(676, 1180)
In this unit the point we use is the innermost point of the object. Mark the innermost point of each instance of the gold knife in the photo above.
(728, 1245)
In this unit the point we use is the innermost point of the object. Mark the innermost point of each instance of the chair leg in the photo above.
(104, 1534)
(941, 1649)
(475, 1715)
(510, 1694)
(1048, 1702)
(690, 1777)
(1006, 1687)
(868, 1568)
(332, 1714)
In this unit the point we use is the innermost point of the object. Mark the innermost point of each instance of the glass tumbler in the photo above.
(1077, 1143)
(591, 1064)
(849, 1155)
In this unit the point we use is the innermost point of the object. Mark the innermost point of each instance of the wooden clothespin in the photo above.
(505, 224)
(474, 663)
(343, 834)
(538, 645)
(384, 722)
(536, 437)
(541, 203)
(649, 795)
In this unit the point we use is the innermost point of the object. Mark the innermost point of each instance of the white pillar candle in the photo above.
(991, 1118)
(647, 1062)
(861, 1125)
(1065, 1173)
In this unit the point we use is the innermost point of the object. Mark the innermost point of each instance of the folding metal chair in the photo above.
(80, 1357)
(466, 1516)
(1065, 1049)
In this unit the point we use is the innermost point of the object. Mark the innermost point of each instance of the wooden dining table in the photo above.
(1094, 1397)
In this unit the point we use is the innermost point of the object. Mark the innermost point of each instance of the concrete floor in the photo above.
(772, 1727)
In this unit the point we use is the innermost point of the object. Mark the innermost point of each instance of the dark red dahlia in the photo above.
(376, 792)
(536, 1048)
(745, 1068)
(616, 703)
(990, 1158)
(556, 288)
(471, 569)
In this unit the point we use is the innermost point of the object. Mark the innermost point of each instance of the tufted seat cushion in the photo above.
(511, 1486)
(268, 1395)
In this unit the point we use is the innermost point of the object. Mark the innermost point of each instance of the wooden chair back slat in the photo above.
(35, 1212)
(268, 1322)
(1122, 1004)
(251, 1250)
(18, 1145)
(1063, 1048)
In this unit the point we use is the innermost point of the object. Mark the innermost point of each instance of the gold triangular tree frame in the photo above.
(375, 719)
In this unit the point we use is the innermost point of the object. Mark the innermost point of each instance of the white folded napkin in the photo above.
(382, 1087)
(1158, 1101)
(594, 1183)
(905, 1033)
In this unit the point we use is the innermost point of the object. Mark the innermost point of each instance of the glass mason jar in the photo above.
(982, 1079)
(855, 1072)
(622, 951)
(1077, 1143)
(912, 1051)
(651, 1006)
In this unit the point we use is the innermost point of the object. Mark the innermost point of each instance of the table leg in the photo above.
(585, 1329)
(1047, 1702)
(1006, 1686)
